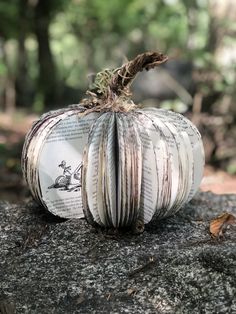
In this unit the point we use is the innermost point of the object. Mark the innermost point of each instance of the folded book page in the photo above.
(59, 165)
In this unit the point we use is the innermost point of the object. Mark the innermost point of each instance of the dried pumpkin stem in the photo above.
(111, 88)
(126, 74)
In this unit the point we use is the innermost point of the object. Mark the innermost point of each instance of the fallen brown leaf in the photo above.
(131, 291)
(219, 224)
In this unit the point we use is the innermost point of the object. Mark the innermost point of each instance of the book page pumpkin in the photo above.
(110, 160)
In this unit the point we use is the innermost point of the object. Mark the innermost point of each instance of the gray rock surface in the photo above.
(49, 265)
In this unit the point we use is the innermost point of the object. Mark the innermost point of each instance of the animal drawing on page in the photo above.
(69, 180)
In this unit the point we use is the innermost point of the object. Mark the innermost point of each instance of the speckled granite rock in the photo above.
(49, 265)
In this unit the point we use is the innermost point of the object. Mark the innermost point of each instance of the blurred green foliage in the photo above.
(47, 48)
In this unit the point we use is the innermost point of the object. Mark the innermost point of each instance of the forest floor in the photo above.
(13, 188)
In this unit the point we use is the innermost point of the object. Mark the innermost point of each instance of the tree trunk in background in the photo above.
(222, 13)
(22, 80)
(10, 97)
(47, 71)
(9, 84)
